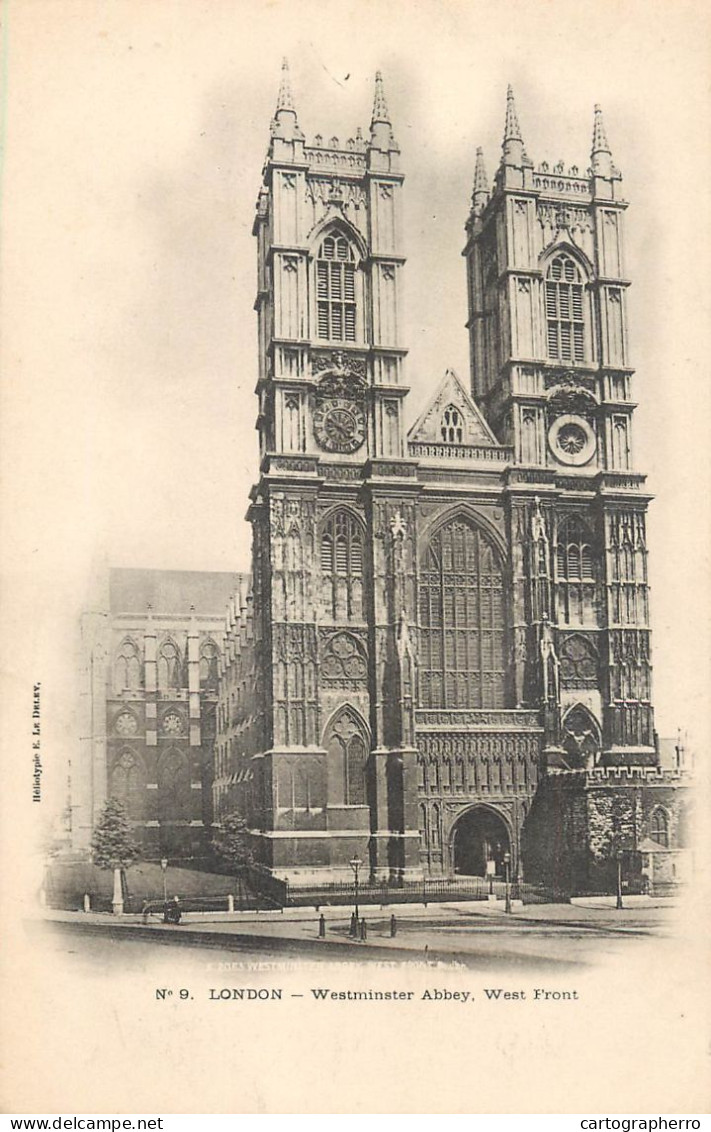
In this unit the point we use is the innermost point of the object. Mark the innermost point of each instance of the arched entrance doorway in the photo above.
(480, 835)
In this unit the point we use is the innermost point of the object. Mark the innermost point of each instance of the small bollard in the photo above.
(87, 902)
(230, 902)
(144, 912)
(363, 930)
(393, 926)
(322, 926)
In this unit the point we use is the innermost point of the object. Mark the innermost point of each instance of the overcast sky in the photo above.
(136, 133)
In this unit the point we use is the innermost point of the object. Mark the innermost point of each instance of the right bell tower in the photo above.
(550, 369)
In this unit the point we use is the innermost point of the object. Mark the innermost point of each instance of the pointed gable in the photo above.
(464, 427)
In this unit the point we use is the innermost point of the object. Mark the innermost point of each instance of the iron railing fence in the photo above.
(432, 890)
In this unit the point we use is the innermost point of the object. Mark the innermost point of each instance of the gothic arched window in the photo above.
(127, 782)
(127, 667)
(336, 290)
(452, 427)
(462, 620)
(208, 666)
(342, 567)
(576, 574)
(173, 787)
(581, 738)
(565, 316)
(168, 667)
(659, 827)
(348, 756)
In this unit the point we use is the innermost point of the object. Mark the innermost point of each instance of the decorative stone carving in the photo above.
(343, 660)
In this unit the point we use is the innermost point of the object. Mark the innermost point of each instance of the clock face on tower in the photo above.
(339, 424)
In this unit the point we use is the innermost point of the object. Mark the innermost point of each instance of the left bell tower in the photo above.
(328, 231)
(329, 573)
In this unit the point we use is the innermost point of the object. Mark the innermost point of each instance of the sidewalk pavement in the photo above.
(464, 931)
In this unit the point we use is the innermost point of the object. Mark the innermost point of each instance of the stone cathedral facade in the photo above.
(443, 654)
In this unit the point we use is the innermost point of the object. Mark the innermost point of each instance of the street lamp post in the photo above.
(164, 867)
(507, 867)
(355, 864)
(618, 903)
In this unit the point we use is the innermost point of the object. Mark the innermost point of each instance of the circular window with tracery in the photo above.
(173, 723)
(572, 440)
(126, 723)
(343, 659)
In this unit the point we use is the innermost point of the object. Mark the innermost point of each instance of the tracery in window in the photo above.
(336, 290)
(348, 756)
(342, 567)
(578, 663)
(127, 667)
(462, 620)
(168, 667)
(452, 427)
(343, 660)
(565, 321)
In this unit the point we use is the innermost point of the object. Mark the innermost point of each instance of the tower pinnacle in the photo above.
(381, 132)
(513, 150)
(380, 106)
(481, 184)
(285, 98)
(284, 122)
(601, 154)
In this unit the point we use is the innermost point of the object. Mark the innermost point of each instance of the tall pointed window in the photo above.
(348, 758)
(173, 787)
(659, 827)
(127, 668)
(342, 568)
(336, 290)
(462, 620)
(168, 667)
(565, 319)
(208, 666)
(127, 782)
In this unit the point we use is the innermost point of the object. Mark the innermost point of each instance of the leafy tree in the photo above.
(112, 845)
(231, 845)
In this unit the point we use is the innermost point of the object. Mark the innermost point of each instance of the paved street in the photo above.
(471, 934)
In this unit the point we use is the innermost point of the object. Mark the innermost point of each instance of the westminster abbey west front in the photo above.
(444, 653)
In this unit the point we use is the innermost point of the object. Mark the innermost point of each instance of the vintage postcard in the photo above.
(355, 562)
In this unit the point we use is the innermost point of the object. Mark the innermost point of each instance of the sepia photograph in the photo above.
(356, 559)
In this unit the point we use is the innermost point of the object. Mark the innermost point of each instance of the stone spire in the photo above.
(601, 154)
(284, 122)
(380, 106)
(381, 133)
(285, 98)
(481, 184)
(513, 151)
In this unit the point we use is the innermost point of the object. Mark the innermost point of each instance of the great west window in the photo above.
(336, 290)
(462, 620)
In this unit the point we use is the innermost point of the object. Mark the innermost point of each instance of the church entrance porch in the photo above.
(480, 839)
